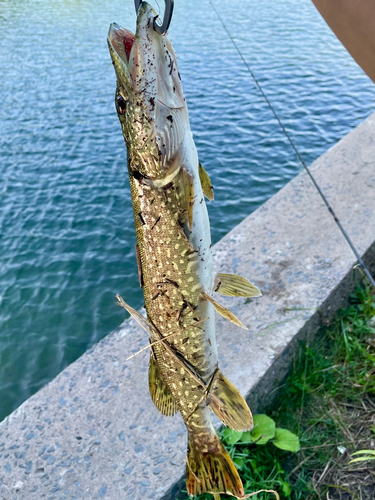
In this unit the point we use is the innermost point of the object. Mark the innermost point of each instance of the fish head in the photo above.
(149, 96)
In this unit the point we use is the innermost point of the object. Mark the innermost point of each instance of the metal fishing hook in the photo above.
(168, 11)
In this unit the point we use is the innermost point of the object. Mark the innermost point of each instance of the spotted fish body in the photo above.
(175, 263)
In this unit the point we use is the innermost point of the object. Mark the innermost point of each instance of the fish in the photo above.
(176, 270)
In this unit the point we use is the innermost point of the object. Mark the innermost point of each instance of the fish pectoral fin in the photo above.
(160, 393)
(224, 311)
(209, 467)
(141, 320)
(232, 285)
(207, 187)
(229, 406)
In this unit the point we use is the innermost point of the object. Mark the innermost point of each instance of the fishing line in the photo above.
(299, 157)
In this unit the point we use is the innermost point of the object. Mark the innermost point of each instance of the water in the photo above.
(67, 237)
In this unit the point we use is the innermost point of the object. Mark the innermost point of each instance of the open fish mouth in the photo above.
(122, 41)
(137, 55)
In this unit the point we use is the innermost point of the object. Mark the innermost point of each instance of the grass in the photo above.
(329, 402)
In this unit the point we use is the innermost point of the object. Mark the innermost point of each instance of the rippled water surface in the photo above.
(66, 228)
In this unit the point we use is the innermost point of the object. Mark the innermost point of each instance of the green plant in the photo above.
(264, 430)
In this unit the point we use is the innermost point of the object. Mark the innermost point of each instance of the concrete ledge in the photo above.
(93, 432)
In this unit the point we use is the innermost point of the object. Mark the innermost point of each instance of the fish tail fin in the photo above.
(209, 467)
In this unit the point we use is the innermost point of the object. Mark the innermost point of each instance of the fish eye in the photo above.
(120, 105)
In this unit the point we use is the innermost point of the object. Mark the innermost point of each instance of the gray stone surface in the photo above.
(93, 432)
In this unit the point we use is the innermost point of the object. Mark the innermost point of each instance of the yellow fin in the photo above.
(207, 188)
(233, 411)
(235, 286)
(224, 311)
(160, 393)
(210, 468)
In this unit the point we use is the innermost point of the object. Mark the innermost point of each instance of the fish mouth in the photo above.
(122, 41)
(126, 47)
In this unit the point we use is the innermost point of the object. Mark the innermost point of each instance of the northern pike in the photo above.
(175, 263)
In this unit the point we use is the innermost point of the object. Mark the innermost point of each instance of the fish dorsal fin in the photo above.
(233, 411)
(224, 311)
(160, 393)
(207, 188)
(232, 285)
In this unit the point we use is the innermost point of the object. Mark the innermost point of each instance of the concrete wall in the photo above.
(93, 432)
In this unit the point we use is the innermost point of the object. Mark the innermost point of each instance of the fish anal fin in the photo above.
(161, 394)
(209, 467)
(229, 405)
(232, 285)
(207, 187)
(224, 311)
